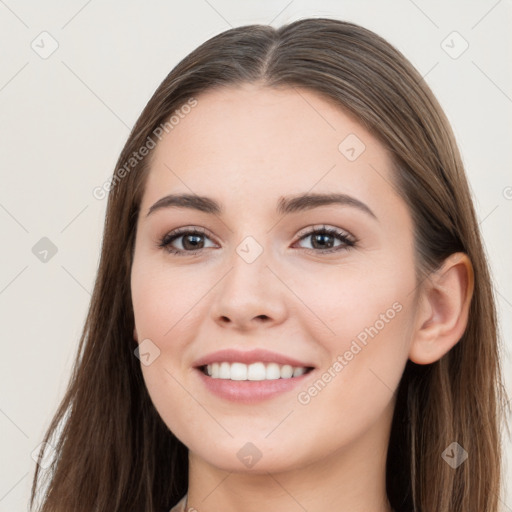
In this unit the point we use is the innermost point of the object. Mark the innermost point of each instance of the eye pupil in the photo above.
(195, 243)
(321, 237)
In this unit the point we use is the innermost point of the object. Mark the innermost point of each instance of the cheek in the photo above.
(165, 302)
(349, 299)
(155, 306)
(367, 320)
(365, 363)
(367, 328)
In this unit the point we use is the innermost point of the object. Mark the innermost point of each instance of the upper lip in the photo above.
(248, 357)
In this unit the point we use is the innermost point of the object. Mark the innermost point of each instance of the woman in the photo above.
(292, 295)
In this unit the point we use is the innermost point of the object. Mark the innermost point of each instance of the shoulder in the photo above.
(180, 506)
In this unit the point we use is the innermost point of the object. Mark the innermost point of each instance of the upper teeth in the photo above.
(254, 371)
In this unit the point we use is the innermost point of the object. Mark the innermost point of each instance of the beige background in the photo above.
(64, 117)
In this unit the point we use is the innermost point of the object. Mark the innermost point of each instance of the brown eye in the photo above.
(191, 241)
(323, 240)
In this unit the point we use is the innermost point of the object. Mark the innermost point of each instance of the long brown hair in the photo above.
(114, 453)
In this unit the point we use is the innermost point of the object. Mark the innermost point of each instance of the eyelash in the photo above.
(348, 242)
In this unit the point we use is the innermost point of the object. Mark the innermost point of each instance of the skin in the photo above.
(245, 147)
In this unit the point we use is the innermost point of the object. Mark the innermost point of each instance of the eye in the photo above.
(323, 239)
(191, 241)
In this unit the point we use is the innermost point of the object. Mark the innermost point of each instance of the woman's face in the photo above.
(257, 273)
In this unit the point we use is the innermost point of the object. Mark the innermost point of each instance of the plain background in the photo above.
(64, 118)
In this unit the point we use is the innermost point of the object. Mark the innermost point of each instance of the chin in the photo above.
(251, 455)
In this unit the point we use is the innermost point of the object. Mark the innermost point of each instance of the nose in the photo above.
(250, 294)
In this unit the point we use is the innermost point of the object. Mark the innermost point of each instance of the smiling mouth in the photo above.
(258, 371)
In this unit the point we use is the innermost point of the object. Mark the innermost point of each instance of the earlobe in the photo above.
(444, 310)
(135, 336)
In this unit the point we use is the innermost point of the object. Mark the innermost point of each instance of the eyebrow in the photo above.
(285, 205)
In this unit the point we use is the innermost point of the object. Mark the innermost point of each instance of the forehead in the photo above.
(257, 141)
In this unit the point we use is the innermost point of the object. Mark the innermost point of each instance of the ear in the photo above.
(443, 309)
(135, 335)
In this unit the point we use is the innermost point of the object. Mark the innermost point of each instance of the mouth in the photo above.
(252, 383)
(257, 371)
(253, 376)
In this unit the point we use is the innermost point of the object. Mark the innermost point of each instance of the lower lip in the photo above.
(250, 391)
